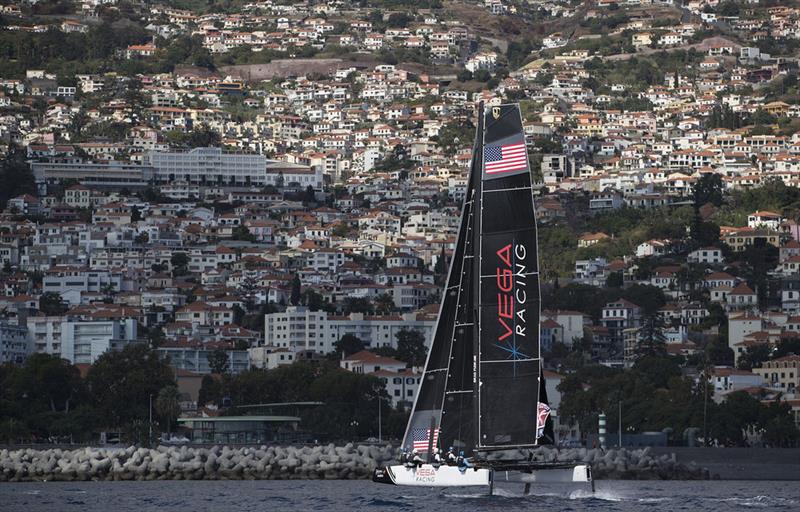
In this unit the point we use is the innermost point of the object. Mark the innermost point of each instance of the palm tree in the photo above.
(168, 405)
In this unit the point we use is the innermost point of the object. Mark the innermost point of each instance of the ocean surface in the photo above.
(363, 496)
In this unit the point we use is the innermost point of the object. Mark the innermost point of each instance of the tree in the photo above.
(108, 290)
(614, 280)
(51, 304)
(652, 341)
(218, 361)
(168, 405)
(349, 344)
(121, 384)
(704, 234)
(210, 391)
(464, 75)
(16, 177)
(180, 262)
(411, 347)
(455, 135)
(136, 214)
(356, 305)
(310, 195)
(242, 233)
(754, 356)
(440, 268)
(203, 137)
(708, 189)
(384, 304)
(295, 296)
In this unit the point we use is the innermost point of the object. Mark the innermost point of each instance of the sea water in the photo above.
(364, 496)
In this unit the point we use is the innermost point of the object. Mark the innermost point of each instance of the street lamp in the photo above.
(150, 435)
(379, 419)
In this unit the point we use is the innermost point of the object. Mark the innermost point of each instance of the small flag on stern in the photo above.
(541, 418)
(422, 437)
(505, 158)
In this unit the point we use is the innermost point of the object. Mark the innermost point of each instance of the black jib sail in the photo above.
(481, 384)
(443, 405)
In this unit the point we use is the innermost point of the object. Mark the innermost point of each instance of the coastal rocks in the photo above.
(289, 463)
(195, 463)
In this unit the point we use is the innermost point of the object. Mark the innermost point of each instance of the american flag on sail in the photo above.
(505, 158)
(543, 411)
(421, 438)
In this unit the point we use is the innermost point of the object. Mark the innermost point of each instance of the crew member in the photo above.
(450, 458)
(415, 458)
(463, 463)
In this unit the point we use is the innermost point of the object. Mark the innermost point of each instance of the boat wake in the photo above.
(762, 501)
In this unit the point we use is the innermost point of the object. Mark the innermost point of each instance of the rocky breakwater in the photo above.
(194, 463)
(620, 464)
(301, 463)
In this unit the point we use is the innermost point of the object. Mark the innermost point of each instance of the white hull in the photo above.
(428, 475)
(580, 473)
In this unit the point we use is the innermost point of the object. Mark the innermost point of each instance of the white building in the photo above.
(294, 176)
(209, 167)
(85, 341)
(300, 329)
(764, 219)
(706, 255)
(727, 380)
(401, 385)
(44, 334)
(70, 282)
(193, 357)
(269, 358)
(13, 343)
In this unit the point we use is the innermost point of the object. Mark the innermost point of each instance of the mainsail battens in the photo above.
(507, 346)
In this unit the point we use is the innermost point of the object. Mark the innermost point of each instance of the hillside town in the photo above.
(281, 182)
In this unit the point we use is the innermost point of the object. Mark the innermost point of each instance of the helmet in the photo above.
(450, 449)
(461, 452)
(414, 451)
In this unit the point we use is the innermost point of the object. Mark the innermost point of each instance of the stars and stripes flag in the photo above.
(543, 411)
(505, 158)
(421, 438)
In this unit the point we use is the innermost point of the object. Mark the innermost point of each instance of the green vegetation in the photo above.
(46, 397)
(350, 399)
(629, 227)
(639, 72)
(15, 176)
(591, 299)
(654, 396)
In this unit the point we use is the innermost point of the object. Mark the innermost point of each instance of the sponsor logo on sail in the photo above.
(512, 295)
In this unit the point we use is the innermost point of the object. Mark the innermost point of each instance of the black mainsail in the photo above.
(482, 387)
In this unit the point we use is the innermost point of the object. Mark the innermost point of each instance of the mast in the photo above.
(507, 363)
(438, 404)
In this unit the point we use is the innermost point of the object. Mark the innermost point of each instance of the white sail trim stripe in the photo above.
(508, 189)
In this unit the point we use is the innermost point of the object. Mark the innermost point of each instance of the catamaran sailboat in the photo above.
(483, 390)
